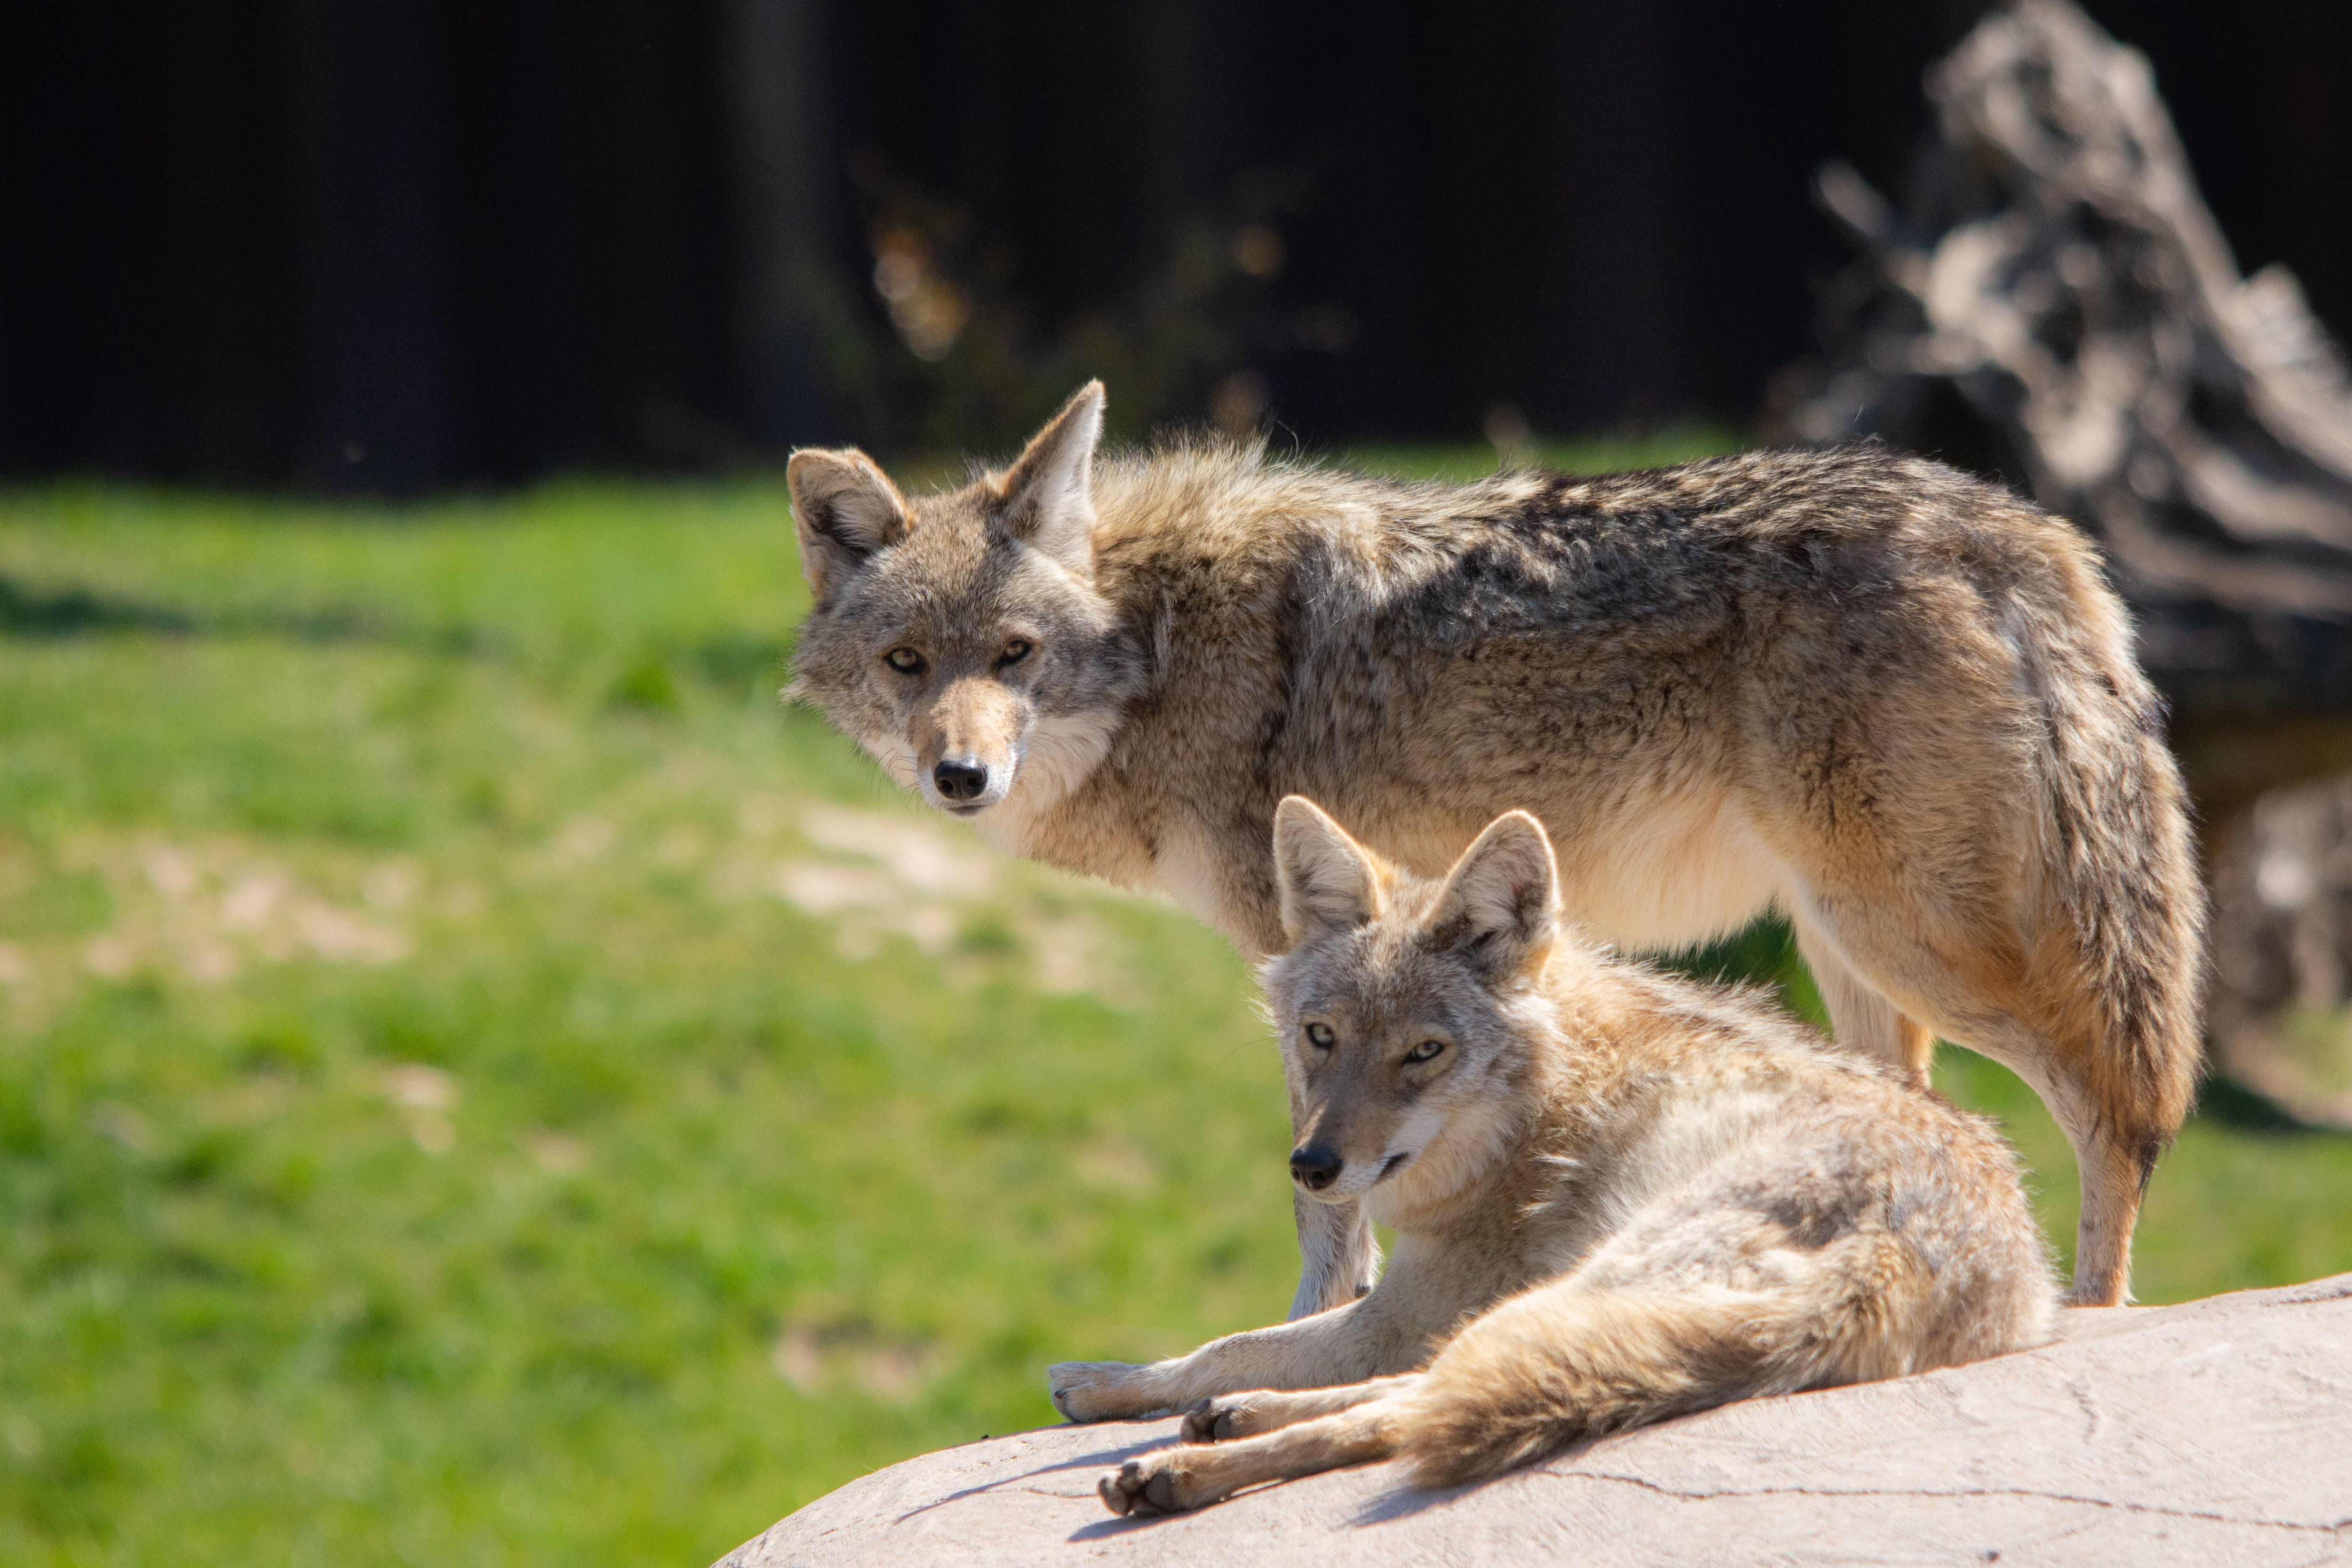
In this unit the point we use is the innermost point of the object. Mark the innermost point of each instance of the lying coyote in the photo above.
(1647, 1197)
(1895, 702)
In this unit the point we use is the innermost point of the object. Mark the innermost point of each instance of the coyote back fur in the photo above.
(1633, 1195)
(1895, 702)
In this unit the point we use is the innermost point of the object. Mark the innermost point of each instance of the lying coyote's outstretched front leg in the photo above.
(1226, 1417)
(1344, 1345)
(1193, 1475)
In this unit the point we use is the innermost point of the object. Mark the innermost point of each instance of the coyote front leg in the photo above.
(1340, 1257)
(1344, 1345)
(1226, 1417)
(1193, 1475)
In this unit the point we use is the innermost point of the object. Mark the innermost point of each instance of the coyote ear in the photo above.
(1502, 897)
(844, 509)
(1327, 881)
(1049, 497)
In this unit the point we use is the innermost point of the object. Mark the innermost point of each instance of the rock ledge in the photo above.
(2218, 1431)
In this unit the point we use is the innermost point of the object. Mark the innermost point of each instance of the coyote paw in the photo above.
(1221, 1420)
(1145, 1489)
(1096, 1390)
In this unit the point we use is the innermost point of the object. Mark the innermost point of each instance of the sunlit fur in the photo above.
(1621, 1197)
(1897, 703)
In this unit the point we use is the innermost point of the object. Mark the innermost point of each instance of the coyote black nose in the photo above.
(1314, 1167)
(961, 781)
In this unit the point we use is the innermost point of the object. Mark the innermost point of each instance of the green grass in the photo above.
(479, 1083)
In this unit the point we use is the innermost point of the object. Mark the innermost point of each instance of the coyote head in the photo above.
(960, 637)
(1407, 1008)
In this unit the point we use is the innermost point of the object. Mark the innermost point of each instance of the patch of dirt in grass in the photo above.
(880, 875)
(207, 911)
(813, 1359)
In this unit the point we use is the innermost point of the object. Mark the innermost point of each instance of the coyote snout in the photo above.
(1352, 1141)
(961, 781)
(968, 746)
(1318, 1170)
(1314, 1167)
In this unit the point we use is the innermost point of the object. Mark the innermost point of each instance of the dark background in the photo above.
(395, 245)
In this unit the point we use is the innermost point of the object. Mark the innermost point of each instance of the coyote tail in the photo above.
(1564, 1363)
(2119, 863)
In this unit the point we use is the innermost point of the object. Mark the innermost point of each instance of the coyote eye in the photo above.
(1320, 1036)
(1014, 652)
(905, 660)
(1425, 1052)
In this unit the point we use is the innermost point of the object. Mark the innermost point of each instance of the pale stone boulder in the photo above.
(2216, 1431)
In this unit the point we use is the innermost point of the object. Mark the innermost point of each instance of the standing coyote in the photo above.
(1895, 702)
(1647, 1197)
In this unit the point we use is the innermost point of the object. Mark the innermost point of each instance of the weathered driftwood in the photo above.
(2282, 998)
(2054, 297)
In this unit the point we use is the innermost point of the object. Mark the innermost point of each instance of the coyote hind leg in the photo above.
(1915, 1050)
(1864, 1022)
(2113, 1171)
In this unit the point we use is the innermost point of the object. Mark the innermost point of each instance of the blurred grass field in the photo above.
(480, 1083)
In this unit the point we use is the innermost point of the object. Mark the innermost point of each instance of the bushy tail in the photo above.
(2119, 864)
(1565, 1362)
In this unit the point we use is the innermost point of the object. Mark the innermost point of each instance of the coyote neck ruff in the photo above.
(1618, 1197)
(1896, 703)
